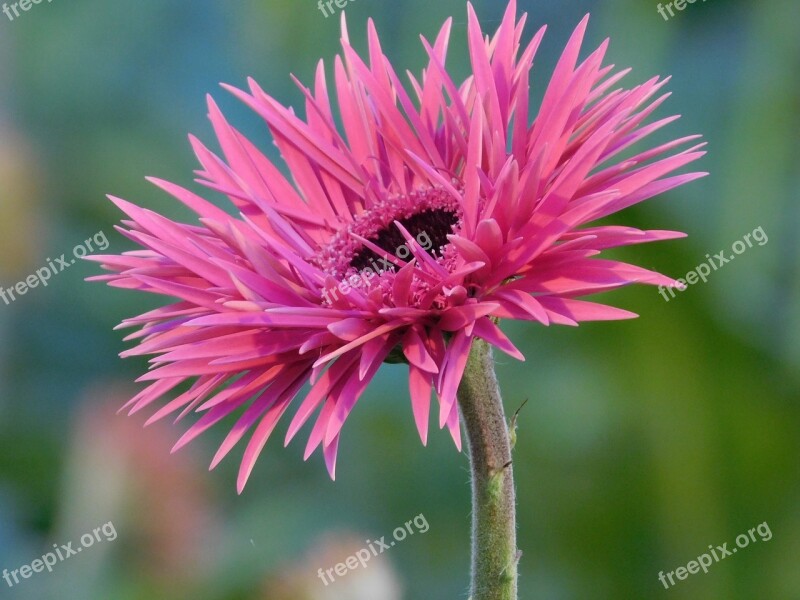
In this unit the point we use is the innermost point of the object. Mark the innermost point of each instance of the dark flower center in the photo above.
(429, 228)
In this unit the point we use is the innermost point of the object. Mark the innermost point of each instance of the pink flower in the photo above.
(439, 209)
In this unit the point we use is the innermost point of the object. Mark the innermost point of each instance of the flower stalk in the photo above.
(494, 534)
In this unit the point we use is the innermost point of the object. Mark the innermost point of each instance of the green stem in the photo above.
(494, 543)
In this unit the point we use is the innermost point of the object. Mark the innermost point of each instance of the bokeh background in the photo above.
(642, 443)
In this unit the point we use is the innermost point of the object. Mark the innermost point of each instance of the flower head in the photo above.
(436, 210)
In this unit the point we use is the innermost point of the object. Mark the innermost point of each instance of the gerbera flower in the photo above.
(437, 209)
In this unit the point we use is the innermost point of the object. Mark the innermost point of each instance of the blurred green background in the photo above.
(643, 443)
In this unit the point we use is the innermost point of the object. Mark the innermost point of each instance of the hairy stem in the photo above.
(494, 535)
